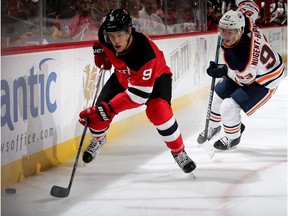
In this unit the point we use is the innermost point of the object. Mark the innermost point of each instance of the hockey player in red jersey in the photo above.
(141, 77)
(252, 72)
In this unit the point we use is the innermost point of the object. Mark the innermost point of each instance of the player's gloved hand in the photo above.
(217, 70)
(100, 57)
(97, 115)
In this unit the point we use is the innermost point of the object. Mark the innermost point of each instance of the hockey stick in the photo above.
(62, 192)
(206, 144)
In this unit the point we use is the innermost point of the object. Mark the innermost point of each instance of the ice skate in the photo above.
(225, 143)
(93, 149)
(184, 162)
(211, 133)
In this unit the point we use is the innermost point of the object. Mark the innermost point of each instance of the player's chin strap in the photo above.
(239, 34)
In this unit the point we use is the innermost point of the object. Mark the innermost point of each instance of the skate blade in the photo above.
(192, 175)
(225, 150)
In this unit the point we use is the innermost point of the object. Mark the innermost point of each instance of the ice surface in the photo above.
(135, 174)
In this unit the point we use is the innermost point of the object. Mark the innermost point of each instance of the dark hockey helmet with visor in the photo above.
(117, 20)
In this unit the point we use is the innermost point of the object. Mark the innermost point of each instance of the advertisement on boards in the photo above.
(42, 93)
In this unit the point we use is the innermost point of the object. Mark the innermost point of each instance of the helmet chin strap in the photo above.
(128, 40)
(237, 37)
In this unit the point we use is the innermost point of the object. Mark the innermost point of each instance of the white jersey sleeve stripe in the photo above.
(250, 9)
(136, 98)
(139, 94)
(146, 89)
(271, 76)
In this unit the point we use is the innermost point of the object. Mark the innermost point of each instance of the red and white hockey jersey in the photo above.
(136, 69)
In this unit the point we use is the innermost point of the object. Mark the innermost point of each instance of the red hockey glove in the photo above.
(100, 57)
(217, 70)
(98, 117)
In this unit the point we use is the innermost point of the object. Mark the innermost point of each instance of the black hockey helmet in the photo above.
(117, 20)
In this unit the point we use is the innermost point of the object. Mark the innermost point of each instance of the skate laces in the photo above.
(225, 141)
(182, 158)
(96, 145)
(92, 146)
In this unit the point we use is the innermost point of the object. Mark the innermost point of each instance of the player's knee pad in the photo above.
(230, 111)
(161, 115)
(216, 103)
(158, 111)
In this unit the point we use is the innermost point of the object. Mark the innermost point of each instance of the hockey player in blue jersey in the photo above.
(249, 77)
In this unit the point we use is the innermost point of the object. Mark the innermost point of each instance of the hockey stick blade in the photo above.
(209, 149)
(62, 192)
(58, 191)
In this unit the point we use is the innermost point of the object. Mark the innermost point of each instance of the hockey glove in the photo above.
(98, 117)
(100, 57)
(217, 70)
